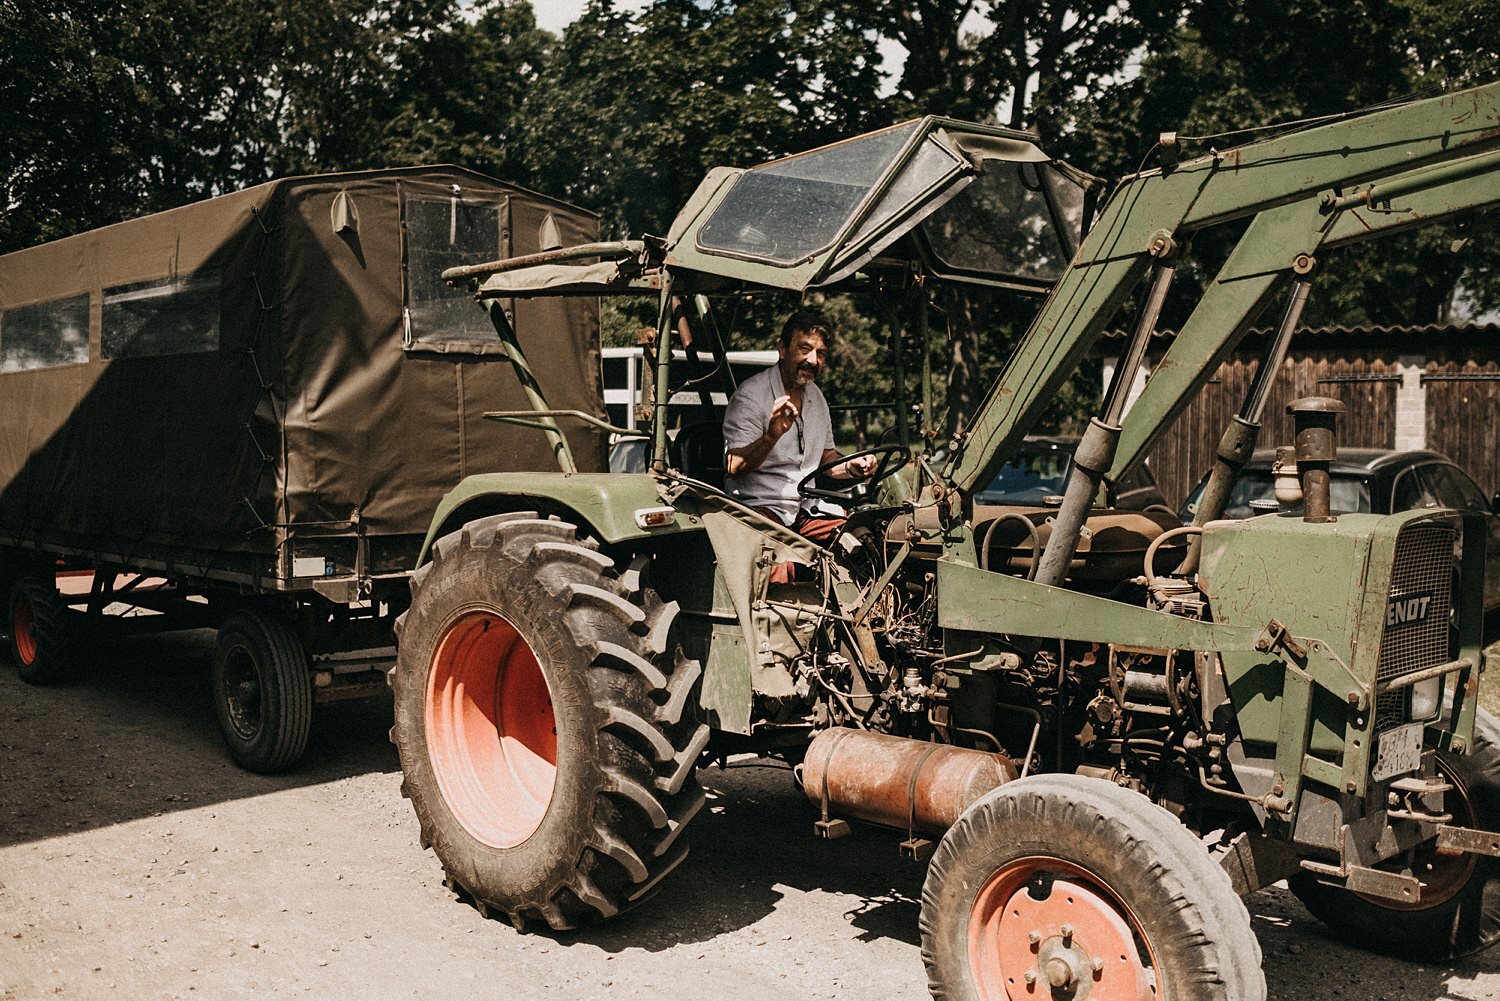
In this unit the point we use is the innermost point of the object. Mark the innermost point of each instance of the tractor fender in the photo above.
(609, 504)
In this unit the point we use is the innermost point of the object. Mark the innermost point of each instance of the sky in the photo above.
(555, 15)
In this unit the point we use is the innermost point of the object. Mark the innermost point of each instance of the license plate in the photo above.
(1400, 751)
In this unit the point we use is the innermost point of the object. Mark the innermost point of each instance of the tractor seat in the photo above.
(698, 451)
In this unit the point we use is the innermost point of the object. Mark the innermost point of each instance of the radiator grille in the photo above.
(1416, 633)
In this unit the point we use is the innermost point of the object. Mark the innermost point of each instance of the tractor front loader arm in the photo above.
(1281, 243)
(1324, 184)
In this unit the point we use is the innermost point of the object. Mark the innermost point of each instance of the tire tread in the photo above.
(56, 658)
(1208, 922)
(647, 743)
(272, 639)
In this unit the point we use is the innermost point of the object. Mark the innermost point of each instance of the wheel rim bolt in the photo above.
(1029, 976)
(1033, 937)
(1067, 933)
(1098, 964)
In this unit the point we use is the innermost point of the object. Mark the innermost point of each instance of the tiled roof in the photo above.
(1373, 330)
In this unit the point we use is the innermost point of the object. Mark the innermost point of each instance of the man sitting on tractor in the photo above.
(777, 430)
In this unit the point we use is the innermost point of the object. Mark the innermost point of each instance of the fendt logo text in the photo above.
(1404, 611)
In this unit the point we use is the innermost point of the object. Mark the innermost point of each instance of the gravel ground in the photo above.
(136, 862)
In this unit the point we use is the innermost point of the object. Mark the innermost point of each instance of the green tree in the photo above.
(62, 112)
(635, 107)
(1034, 67)
(457, 96)
(115, 109)
(1312, 58)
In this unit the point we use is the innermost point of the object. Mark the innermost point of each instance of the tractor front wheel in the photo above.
(542, 716)
(1064, 886)
(1459, 912)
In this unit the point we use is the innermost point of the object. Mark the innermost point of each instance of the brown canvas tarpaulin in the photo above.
(259, 383)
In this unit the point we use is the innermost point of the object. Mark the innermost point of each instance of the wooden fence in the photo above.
(1432, 387)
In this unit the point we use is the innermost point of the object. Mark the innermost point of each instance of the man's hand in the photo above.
(856, 468)
(783, 416)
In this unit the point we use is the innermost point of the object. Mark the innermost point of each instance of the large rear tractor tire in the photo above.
(1064, 886)
(40, 644)
(1459, 912)
(262, 688)
(543, 716)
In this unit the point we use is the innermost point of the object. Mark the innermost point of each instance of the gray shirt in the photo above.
(774, 484)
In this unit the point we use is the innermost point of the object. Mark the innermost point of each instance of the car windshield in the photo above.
(633, 455)
(1347, 495)
(1029, 478)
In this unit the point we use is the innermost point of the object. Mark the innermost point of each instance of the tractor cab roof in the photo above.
(945, 199)
(955, 200)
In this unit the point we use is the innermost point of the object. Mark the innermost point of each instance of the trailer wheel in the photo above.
(1459, 912)
(542, 717)
(39, 642)
(1064, 886)
(262, 691)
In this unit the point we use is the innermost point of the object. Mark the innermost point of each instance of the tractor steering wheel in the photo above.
(892, 458)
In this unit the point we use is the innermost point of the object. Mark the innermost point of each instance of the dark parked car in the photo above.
(1040, 469)
(1377, 481)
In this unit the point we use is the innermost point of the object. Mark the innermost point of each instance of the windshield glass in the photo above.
(931, 164)
(1003, 223)
(788, 210)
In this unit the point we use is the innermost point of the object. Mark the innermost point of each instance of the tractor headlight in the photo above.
(1426, 699)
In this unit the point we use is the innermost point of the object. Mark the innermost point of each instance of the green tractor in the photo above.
(1102, 728)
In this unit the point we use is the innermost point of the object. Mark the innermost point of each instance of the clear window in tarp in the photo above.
(1007, 222)
(445, 232)
(789, 210)
(45, 335)
(165, 316)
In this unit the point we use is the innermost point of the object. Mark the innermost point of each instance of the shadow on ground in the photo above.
(136, 736)
(751, 844)
(1301, 960)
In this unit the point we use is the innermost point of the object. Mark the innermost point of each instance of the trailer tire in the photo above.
(543, 718)
(1462, 914)
(262, 689)
(1113, 888)
(40, 644)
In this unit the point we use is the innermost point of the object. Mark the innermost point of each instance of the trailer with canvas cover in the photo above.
(242, 412)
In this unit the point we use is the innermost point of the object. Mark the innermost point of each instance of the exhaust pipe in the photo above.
(1315, 419)
(912, 785)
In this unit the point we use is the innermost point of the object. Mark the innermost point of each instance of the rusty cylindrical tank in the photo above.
(897, 781)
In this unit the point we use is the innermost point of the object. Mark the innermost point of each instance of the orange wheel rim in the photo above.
(23, 628)
(1043, 928)
(491, 733)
